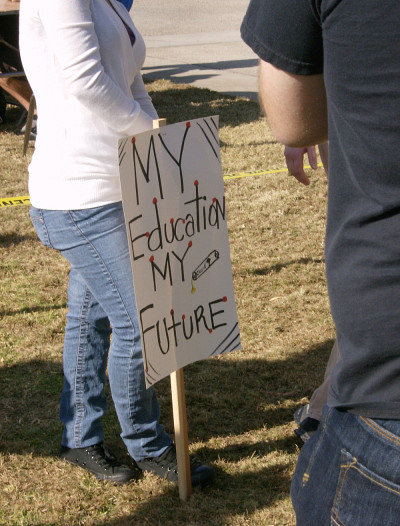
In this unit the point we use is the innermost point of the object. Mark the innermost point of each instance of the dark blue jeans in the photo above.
(348, 473)
(101, 302)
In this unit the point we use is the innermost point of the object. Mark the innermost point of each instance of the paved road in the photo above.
(197, 42)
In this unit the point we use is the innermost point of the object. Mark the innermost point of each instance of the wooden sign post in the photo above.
(181, 434)
(179, 415)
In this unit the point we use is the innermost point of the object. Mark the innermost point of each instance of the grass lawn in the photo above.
(240, 406)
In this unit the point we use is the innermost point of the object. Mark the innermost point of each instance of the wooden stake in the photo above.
(180, 418)
(28, 125)
(181, 434)
(157, 123)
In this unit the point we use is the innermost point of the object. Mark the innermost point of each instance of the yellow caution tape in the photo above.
(238, 175)
(6, 202)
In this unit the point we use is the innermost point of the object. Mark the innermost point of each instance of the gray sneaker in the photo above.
(307, 425)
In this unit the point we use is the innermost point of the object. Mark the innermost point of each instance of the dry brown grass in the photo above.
(240, 406)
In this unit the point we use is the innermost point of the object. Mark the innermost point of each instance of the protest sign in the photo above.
(174, 206)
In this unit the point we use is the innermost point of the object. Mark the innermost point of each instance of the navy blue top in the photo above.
(127, 3)
(356, 45)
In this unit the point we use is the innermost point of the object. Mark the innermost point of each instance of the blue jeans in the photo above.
(101, 296)
(348, 473)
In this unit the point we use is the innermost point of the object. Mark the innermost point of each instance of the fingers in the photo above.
(294, 163)
(302, 178)
(312, 157)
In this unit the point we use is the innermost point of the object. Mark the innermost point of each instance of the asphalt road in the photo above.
(197, 42)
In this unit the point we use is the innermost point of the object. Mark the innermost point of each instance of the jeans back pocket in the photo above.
(40, 226)
(363, 497)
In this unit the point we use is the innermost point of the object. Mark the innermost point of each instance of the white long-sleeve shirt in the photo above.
(85, 75)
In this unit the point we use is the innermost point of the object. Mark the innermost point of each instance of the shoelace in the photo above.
(169, 457)
(102, 457)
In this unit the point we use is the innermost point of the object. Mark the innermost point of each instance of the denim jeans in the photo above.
(101, 302)
(348, 473)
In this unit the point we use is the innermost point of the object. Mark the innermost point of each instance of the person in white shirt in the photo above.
(83, 60)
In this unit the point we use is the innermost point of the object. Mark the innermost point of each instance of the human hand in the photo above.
(294, 161)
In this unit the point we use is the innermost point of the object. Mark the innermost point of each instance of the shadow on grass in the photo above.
(29, 408)
(230, 495)
(280, 266)
(235, 396)
(224, 397)
(186, 102)
(29, 310)
(11, 240)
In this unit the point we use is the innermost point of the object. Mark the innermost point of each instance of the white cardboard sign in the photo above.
(174, 206)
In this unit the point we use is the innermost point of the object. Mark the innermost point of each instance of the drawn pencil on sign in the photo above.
(205, 264)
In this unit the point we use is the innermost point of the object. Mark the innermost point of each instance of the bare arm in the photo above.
(295, 106)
